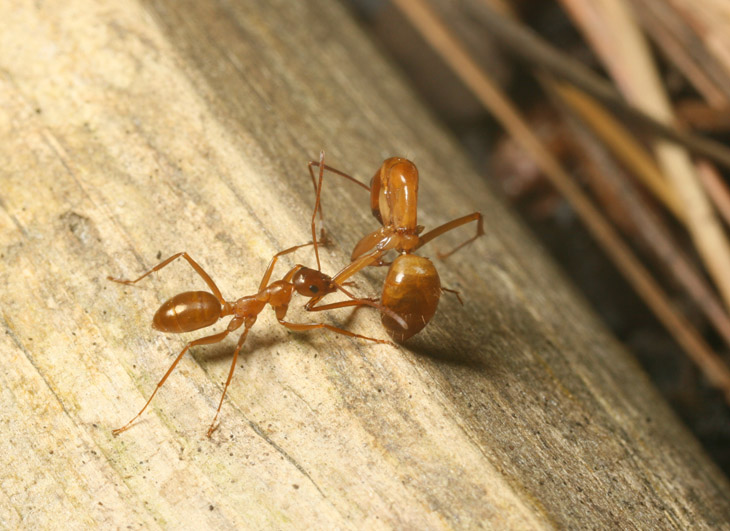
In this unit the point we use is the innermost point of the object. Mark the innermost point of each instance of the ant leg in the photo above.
(373, 303)
(317, 183)
(241, 341)
(359, 264)
(215, 338)
(373, 241)
(349, 270)
(274, 259)
(199, 270)
(300, 327)
(451, 225)
(456, 293)
(344, 304)
(318, 191)
(332, 170)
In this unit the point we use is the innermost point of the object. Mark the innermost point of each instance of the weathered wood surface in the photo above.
(133, 131)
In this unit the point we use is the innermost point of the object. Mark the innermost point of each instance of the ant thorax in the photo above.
(252, 304)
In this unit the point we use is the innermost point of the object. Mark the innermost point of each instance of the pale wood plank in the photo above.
(148, 128)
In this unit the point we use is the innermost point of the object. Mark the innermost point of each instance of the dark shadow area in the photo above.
(458, 352)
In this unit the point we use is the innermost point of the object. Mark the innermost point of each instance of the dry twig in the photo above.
(521, 42)
(651, 231)
(441, 39)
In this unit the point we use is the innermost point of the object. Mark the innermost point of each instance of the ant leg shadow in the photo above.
(300, 327)
(454, 352)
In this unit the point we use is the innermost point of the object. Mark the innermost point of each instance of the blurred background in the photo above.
(605, 124)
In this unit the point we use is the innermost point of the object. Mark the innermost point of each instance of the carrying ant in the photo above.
(192, 310)
(412, 287)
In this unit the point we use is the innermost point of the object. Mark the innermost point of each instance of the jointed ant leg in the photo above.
(300, 327)
(358, 264)
(342, 304)
(215, 338)
(274, 259)
(456, 293)
(451, 225)
(349, 270)
(332, 170)
(199, 270)
(241, 341)
(373, 303)
(318, 191)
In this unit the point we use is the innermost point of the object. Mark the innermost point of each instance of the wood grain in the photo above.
(130, 132)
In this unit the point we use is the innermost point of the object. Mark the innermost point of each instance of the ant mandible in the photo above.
(192, 310)
(412, 287)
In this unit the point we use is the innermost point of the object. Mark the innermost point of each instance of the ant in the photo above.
(412, 287)
(192, 310)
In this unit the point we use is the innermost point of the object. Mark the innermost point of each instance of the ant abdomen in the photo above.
(411, 290)
(186, 312)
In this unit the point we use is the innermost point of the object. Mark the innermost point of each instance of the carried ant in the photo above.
(192, 310)
(412, 287)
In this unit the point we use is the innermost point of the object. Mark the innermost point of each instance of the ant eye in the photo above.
(313, 288)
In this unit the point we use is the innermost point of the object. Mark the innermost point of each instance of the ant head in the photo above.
(312, 283)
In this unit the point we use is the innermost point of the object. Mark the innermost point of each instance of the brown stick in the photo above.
(493, 99)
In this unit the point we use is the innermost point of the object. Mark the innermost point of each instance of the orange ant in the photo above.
(192, 310)
(412, 287)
